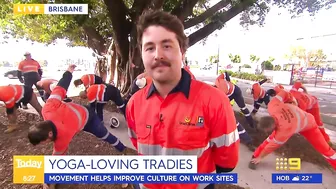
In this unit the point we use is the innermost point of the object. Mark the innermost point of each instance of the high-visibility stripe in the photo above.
(279, 98)
(229, 87)
(58, 97)
(278, 142)
(331, 157)
(121, 106)
(105, 137)
(79, 117)
(246, 115)
(152, 149)
(299, 126)
(241, 132)
(131, 133)
(225, 139)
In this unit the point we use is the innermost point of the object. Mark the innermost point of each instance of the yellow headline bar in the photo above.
(28, 8)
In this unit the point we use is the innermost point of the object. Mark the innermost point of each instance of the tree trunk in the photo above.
(113, 64)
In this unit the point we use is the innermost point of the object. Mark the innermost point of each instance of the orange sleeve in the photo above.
(297, 85)
(91, 94)
(278, 138)
(57, 95)
(224, 137)
(10, 105)
(20, 68)
(131, 122)
(284, 96)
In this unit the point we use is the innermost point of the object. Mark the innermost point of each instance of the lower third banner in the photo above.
(139, 178)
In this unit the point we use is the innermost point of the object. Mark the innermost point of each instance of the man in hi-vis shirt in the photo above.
(175, 114)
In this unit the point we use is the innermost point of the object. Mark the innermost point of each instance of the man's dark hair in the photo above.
(78, 82)
(163, 19)
(39, 132)
(266, 122)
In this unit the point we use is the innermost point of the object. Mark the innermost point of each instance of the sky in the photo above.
(279, 33)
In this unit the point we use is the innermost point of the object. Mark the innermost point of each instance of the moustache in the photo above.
(160, 63)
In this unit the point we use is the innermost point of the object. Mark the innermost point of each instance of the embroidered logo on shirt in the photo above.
(200, 121)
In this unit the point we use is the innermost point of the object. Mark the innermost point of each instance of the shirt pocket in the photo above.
(192, 136)
(143, 133)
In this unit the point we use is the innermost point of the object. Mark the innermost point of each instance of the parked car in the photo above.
(12, 74)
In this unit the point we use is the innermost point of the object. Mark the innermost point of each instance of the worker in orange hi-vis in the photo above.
(260, 95)
(31, 71)
(310, 104)
(87, 80)
(285, 120)
(234, 92)
(48, 85)
(13, 96)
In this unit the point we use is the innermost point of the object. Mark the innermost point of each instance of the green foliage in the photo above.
(277, 68)
(213, 59)
(235, 58)
(244, 75)
(267, 65)
(246, 66)
(254, 58)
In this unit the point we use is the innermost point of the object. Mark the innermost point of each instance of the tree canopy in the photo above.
(114, 21)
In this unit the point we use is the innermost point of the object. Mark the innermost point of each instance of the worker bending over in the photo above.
(234, 92)
(310, 104)
(13, 96)
(64, 120)
(87, 80)
(260, 95)
(48, 85)
(31, 71)
(99, 94)
(285, 120)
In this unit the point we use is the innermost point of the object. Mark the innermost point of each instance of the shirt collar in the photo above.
(183, 86)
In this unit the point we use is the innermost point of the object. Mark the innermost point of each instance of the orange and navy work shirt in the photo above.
(257, 91)
(305, 101)
(289, 119)
(27, 66)
(88, 80)
(188, 121)
(96, 93)
(69, 119)
(226, 86)
(11, 94)
(46, 84)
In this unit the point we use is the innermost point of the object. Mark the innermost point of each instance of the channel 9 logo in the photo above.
(291, 164)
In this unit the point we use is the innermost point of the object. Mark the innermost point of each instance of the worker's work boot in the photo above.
(11, 128)
(252, 165)
(251, 147)
(24, 106)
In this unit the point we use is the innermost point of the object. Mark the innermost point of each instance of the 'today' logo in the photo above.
(28, 164)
